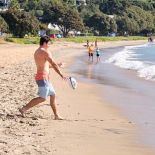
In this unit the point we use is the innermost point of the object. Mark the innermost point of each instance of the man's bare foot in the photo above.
(58, 118)
(21, 111)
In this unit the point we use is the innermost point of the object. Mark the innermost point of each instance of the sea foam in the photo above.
(127, 59)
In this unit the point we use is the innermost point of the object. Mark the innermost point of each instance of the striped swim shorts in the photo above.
(45, 88)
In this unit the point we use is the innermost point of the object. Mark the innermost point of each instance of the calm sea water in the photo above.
(140, 58)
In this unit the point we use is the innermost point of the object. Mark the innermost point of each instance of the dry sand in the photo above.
(91, 126)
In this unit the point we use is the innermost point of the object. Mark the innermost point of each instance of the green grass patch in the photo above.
(93, 38)
(35, 40)
(27, 40)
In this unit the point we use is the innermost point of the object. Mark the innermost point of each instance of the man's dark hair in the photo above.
(44, 39)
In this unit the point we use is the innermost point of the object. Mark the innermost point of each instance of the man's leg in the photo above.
(31, 104)
(53, 106)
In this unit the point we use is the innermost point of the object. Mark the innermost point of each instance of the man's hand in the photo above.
(61, 64)
(64, 77)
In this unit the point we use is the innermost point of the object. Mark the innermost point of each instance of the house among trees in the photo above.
(79, 2)
(4, 4)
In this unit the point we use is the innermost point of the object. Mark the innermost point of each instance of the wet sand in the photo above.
(134, 96)
(91, 126)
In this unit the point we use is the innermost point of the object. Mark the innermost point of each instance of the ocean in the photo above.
(140, 58)
(125, 78)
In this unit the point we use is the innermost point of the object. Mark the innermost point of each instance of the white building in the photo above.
(53, 27)
(79, 2)
(4, 4)
(111, 16)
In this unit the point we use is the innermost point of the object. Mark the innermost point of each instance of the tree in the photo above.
(102, 23)
(134, 16)
(70, 2)
(30, 5)
(34, 7)
(86, 11)
(93, 2)
(135, 20)
(14, 4)
(3, 25)
(67, 19)
(126, 24)
(144, 19)
(21, 22)
(114, 6)
(145, 5)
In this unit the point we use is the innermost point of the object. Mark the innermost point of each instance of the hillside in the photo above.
(99, 17)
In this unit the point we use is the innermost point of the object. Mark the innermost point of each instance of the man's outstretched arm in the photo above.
(53, 64)
(60, 64)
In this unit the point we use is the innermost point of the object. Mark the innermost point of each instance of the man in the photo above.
(91, 51)
(96, 43)
(87, 43)
(44, 61)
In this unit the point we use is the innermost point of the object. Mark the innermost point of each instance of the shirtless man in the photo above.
(44, 61)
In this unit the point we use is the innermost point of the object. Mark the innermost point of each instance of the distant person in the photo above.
(91, 52)
(150, 39)
(96, 43)
(98, 54)
(87, 44)
(59, 36)
(44, 61)
(125, 34)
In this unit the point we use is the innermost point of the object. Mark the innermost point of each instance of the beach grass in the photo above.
(35, 40)
(26, 40)
(102, 39)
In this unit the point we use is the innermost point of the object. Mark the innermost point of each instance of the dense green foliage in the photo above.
(14, 4)
(3, 25)
(67, 19)
(21, 22)
(135, 20)
(131, 16)
(102, 24)
(101, 17)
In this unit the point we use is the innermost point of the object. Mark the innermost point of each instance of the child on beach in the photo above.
(98, 54)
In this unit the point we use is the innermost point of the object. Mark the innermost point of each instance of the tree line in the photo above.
(100, 17)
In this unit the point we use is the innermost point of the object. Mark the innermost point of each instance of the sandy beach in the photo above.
(92, 126)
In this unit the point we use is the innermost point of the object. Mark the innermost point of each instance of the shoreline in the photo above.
(124, 90)
(92, 126)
